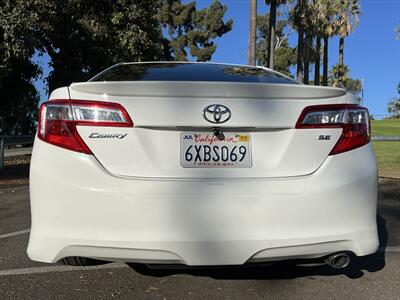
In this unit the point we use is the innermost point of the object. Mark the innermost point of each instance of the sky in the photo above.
(372, 51)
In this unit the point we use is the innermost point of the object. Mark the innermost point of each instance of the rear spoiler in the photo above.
(189, 89)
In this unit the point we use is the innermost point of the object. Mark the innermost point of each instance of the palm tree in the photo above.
(318, 18)
(317, 66)
(301, 19)
(317, 54)
(325, 61)
(252, 34)
(310, 29)
(346, 20)
(323, 12)
(273, 4)
(298, 23)
(339, 74)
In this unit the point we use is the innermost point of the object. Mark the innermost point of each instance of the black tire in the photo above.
(81, 261)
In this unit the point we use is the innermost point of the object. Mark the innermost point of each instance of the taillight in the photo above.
(353, 119)
(58, 120)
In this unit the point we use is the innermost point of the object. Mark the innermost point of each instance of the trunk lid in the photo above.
(162, 111)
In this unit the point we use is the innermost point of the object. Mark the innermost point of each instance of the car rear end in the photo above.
(201, 164)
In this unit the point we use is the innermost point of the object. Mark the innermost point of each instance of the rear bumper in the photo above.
(202, 221)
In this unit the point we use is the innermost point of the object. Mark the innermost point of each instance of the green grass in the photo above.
(387, 153)
(385, 127)
(388, 157)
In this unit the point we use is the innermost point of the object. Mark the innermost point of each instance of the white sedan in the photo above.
(201, 164)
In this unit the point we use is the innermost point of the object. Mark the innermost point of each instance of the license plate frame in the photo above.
(227, 149)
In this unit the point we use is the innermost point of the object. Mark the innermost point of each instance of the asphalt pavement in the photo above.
(374, 277)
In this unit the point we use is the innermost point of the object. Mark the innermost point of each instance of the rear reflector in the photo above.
(353, 119)
(58, 120)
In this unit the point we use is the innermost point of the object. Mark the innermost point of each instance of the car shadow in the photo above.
(282, 270)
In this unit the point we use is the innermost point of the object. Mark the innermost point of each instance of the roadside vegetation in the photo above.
(388, 158)
(387, 153)
(385, 127)
(80, 39)
(77, 39)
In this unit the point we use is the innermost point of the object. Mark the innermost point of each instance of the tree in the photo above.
(313, 20)
(309, 31)
(393, 107)
(252, 33)
(354, 86)
(346, 20)
(340, 77)
(273, 4)
(327, 13)
(298, 22)
(19, 99)
(193, 29)
(302, 20)
(317, 67)
(321, 14)
(82, 37)
(18, 96)
(285, 56)
(16, 42)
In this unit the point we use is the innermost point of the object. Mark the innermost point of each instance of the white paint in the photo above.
(389, 249)
(132, 201)
(11, 234)
(205, 221)
(38, 270)
(7, 189)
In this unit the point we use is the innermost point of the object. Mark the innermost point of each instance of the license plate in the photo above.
(204, 150)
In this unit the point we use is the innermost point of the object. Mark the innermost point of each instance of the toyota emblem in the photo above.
(217, 113)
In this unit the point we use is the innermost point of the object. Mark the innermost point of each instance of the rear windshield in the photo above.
(189, 72)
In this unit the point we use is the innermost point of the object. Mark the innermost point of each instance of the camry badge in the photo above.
(96, 135)
(217, 113)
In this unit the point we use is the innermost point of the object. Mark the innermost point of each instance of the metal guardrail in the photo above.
(18, 151)
(386, 138)
(18, 141)
(1, 153)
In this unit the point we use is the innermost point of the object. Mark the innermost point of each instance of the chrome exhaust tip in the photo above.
(338, 260)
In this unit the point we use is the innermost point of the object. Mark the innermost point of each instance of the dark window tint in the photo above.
(189, 72)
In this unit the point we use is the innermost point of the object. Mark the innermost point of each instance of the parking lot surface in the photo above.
(373, 277)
